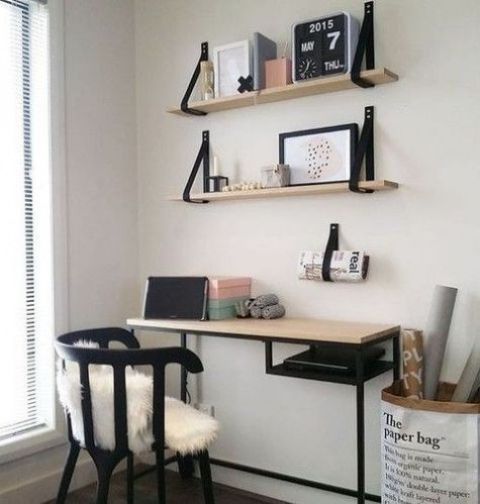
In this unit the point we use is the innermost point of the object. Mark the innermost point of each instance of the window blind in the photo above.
(24, 215)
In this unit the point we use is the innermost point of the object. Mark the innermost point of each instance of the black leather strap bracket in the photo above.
(184, 104)
(203, 157)
(332, 245)
(364, 151)
(365, 48)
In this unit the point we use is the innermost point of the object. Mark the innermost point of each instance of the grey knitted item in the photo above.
(256, 312)
(273, 311)
(242, 308)
(265, 300)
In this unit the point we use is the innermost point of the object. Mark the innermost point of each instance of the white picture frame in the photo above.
(230, 62)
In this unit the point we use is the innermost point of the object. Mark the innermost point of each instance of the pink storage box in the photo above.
(229, 287)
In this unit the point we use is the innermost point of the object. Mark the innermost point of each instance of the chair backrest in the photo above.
(119, 359)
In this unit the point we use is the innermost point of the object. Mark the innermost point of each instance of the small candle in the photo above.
(216, 172)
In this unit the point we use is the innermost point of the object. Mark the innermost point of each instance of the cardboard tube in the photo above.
(412, 346)
(436, 334)
(470, 380)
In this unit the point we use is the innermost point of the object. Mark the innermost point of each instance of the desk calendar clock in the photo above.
(324, 46)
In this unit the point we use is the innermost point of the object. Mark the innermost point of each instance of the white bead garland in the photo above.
(243, 186)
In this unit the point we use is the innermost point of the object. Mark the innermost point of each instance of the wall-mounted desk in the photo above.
(301, 331)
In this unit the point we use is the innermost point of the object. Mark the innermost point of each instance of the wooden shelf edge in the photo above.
(377, 76)
(333, 84)
(278, 192)
(219, 104)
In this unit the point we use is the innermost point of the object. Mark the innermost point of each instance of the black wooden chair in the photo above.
(119, 359)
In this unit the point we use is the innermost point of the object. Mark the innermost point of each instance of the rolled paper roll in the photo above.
(436, 335)
(345, 266)
(470, 380)
(273, 311)
(412, 348)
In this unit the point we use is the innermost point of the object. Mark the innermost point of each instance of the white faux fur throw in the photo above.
(187, 430)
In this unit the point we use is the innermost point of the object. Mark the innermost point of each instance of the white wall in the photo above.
(423, 234)
(100, 91)
(101, 199)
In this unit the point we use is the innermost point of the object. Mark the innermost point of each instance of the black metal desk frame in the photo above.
(361, 376)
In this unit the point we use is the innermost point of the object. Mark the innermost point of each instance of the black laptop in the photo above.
(176, 298)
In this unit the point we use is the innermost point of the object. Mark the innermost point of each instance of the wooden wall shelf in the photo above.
(278, 192)
(290, 92)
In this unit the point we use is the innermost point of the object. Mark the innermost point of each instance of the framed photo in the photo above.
(230, 62)
(319, 156)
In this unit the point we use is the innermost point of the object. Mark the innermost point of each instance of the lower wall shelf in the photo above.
(277, 192)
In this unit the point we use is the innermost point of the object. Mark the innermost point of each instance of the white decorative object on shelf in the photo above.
(231, 61)
(216, 166)
(277, 175)
(243, 186)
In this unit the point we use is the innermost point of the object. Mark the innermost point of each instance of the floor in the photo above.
(178, 492)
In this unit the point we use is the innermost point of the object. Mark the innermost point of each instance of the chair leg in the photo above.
(68, 473)
(103, 485)
(130, 479)
(206, 475)
(160, 456)
(186, 467)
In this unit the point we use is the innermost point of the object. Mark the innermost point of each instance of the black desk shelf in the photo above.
(377, 369)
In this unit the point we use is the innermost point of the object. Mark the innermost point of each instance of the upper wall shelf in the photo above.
(326, 85)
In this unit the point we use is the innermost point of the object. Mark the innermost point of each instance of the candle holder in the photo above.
(216, 183)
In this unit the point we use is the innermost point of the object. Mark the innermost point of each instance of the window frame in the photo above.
(46, 437)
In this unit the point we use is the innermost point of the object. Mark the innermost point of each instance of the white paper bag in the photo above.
(429, 451)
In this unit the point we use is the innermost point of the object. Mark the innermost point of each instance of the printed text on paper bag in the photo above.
(422, 468)
(391, 433)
